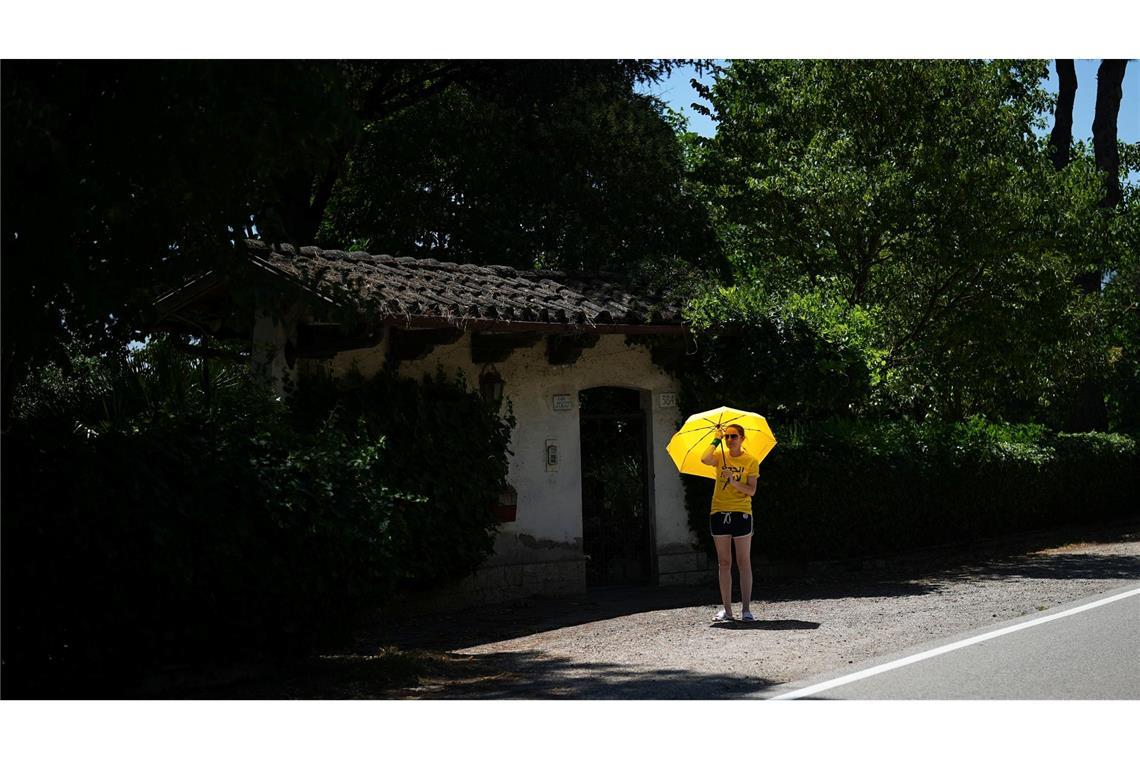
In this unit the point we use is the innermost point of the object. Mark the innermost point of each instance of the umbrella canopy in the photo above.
(689, 443)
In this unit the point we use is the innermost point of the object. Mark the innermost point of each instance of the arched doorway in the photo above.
(616, 505)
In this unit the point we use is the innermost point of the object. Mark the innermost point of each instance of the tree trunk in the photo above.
(12, 373)
(1089, 412)
(299, 209)
(1061, 139)
(1108, 92)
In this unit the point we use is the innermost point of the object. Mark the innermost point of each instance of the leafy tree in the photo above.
(1120, 302)
(560, 164)
(121, 178)
(800, 358)
(919, 191)
(1089, 411)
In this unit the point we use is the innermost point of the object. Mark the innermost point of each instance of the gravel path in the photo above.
(663, 644)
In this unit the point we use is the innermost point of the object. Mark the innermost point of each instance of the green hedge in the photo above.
(845, 490)
(805, 358)
(448, 448)
(148, 524)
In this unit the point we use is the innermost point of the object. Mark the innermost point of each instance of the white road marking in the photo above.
(860, 675)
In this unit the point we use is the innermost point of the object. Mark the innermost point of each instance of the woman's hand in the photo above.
(746, 487)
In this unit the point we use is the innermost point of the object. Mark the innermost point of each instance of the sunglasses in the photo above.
(732, 436)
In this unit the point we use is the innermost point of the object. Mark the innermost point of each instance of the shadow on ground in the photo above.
(768, 625)
(512, 620)
(905, 575)
(515, 675)
(1075, 566)
(413, 656)
(533, 675)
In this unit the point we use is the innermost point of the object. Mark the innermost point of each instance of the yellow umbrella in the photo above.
(689, 443)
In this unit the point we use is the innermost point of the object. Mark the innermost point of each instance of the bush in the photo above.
(449, 450)
(148, 523)
(806, 357)
(843, 489)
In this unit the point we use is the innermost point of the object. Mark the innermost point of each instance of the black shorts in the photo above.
(735, 524)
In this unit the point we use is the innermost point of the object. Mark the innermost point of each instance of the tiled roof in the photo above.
(410, 288)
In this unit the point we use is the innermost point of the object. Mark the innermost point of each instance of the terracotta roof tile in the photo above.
(411, 287)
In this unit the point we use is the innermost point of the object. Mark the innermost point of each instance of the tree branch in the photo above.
(932, 309)
(380, 104)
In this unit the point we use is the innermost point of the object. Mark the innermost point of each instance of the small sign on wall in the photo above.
(667, 400)
(563, 402)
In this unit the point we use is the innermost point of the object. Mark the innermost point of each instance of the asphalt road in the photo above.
(1089, 649)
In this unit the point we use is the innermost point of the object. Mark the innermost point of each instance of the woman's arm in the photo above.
(709, 457)
(748, 487)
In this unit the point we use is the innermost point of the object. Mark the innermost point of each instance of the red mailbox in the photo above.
(507, 506)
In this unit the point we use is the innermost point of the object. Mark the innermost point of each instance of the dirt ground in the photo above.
(662, 643)
(665, 645)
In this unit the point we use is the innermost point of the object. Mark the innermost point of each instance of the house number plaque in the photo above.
(563, 402)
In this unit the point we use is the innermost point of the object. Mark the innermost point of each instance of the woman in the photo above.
(730, 519)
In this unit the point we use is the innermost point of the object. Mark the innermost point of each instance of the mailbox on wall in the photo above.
(507, 507)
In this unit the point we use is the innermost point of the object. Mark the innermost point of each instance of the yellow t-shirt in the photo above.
(725, 497)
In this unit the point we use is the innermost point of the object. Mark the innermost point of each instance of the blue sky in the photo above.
(679, 94)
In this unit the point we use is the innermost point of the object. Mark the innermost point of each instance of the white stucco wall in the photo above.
(267, 349)
(548, 528)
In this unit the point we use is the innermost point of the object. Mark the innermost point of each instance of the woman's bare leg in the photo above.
(744, 565)
(724, 569)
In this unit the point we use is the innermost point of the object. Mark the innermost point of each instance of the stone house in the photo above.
(594, 497)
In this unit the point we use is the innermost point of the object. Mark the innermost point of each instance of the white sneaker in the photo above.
(747, 617)
(722, 616)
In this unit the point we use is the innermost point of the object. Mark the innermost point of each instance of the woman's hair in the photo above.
(738, 427)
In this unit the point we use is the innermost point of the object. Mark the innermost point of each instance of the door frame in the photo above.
(644, 412)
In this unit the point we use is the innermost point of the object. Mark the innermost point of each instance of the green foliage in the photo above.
(837, 490)
(1121, 305)
(807, 357)
(555, 164)
(449, 450)
(839, 167)
(138, 175)
(148, 523)
(120, 177)
(920, 192)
